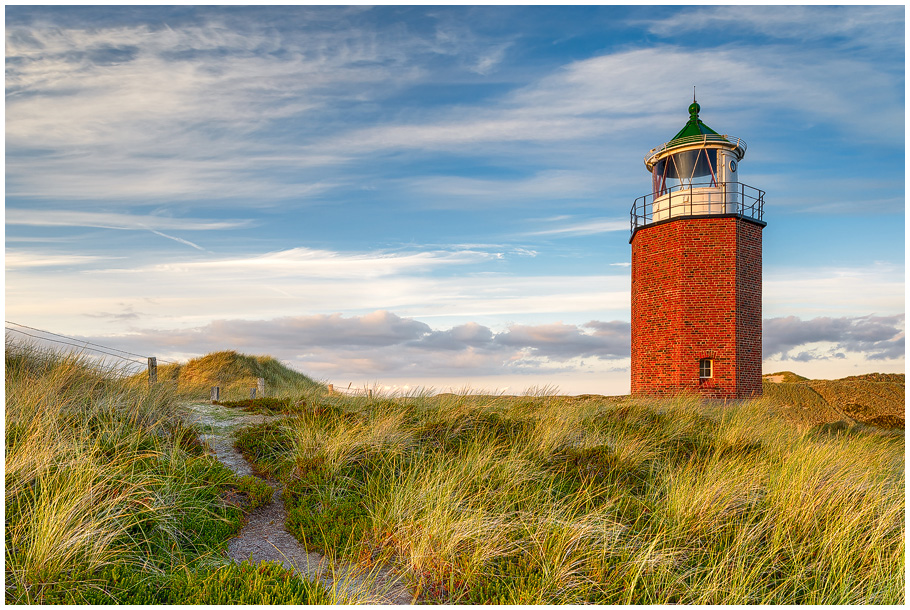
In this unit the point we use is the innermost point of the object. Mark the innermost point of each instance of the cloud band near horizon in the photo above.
(382, 343)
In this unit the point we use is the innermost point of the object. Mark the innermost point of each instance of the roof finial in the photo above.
(693, 109)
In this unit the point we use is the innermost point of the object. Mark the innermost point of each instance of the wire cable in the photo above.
(81, 343)
(15, 330)
(74, 339)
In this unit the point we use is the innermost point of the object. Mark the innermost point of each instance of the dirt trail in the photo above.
(264, 537)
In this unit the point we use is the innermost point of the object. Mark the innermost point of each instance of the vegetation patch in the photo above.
(229, 584)
(876, 400)
(549, 500)
(474, 499)
(266, 406)
(235, 374)
(110, 498)
(267, 447)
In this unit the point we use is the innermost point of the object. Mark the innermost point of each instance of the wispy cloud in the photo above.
(866, 26)
(90, 105)
(25, 260)
(198, 111)
(179, 240)
(311, 263)
(602, 96)
(115, 220)
(588, 227)
(810, 292)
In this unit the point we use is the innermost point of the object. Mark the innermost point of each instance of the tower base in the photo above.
(696, 307)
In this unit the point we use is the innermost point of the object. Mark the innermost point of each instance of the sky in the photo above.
(438, 197)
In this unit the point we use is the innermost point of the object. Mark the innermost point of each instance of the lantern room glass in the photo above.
(690, 168)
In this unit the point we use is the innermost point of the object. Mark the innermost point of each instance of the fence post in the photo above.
(153, 370)
(216, 394)
(331, 388)
(260, 385)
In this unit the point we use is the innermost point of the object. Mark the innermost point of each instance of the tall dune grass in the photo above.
(541, 499)
(108, 496)
(235, 374)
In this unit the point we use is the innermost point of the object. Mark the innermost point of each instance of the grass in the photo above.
(543, 499)
(109, 498)
(235, 374)
(875, 399)
(472, 499)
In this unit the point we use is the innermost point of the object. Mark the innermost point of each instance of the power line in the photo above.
(81, 343)
(16, 330)
(74, 339)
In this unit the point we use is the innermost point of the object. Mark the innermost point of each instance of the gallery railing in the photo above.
(698, 199)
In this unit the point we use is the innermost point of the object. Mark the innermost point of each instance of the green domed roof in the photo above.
(695, 134)
(694, 127)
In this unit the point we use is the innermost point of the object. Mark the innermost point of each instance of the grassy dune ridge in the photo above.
(235, 374)
(875, 399)
(544, 499)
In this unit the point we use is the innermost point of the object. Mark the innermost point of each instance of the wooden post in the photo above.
(216, 394)
(153, 370)
(260, 385)
(331, 388)
(370, 393)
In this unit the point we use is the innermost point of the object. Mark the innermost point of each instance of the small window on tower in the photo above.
(705, 368)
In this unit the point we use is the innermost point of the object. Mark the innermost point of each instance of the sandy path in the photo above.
(264, 537)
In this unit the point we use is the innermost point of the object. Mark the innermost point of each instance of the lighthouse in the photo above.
(697, 269)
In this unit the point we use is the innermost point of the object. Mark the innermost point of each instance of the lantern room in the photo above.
(696, 174)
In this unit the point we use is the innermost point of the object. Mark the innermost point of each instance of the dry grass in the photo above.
(555, 500)
(235, 374)
(108, 498)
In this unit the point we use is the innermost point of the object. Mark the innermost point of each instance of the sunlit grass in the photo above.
(548, 499)
(235, 374)
(469, 498)
(108, 495)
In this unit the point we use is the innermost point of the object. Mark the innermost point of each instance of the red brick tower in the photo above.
(696, 270)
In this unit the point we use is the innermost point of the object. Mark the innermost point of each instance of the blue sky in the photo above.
(439, 196)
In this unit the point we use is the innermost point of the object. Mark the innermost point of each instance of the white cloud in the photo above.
(115, 220)
(876, 337)
(861, 25)
(310, 263)
(189, 292)
(637, 91)
(384, 343)
(833, 291)
(198, 111)
(177, 116)
(588, 227)
(24, 260)
(387, 348)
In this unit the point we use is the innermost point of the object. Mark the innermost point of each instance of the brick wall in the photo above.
(696, 293)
